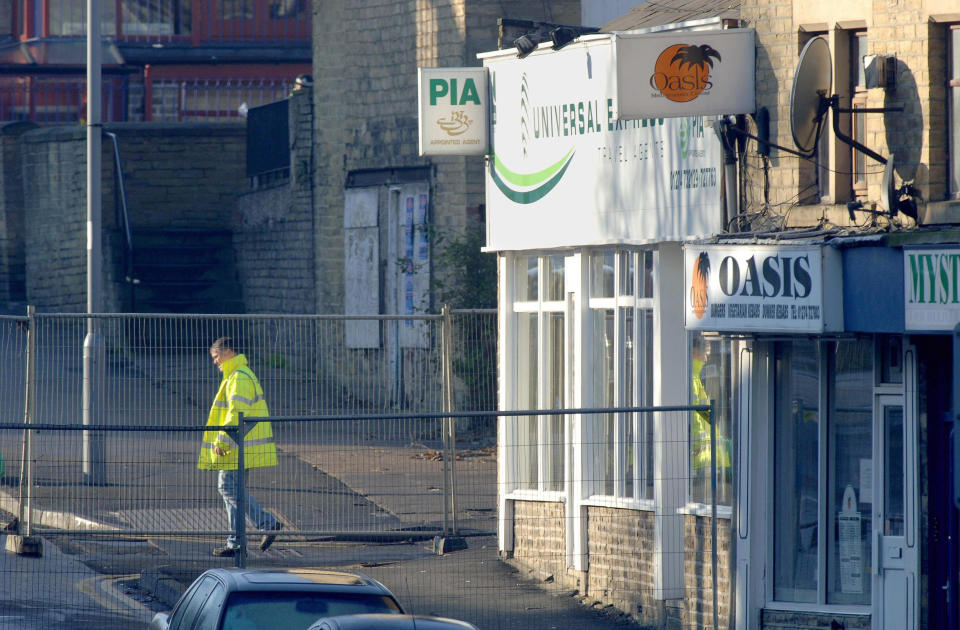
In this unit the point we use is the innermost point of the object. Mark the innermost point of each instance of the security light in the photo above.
(526, 44)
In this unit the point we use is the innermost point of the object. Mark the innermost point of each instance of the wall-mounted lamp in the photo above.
(560, 36)
(526, 44)
(563, 35)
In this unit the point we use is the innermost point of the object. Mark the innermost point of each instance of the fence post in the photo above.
(241, 558)
(26, 466)
(23, 543)
(713, 509)
(450, 429)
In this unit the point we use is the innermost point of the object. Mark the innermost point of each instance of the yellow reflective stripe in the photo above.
(259, 442)
(220, 403)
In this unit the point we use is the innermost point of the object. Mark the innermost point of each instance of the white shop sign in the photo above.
(931, 288)
(564, 172)
(453, 111)
(763, 289)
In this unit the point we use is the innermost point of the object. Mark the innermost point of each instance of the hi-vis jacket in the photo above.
(700, 428)
(239, 392)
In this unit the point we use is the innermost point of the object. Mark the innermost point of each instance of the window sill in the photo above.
(840, 609)
(643, 505)
(702, 509)
(534, 495)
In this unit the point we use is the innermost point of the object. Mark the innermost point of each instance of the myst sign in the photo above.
(931, 288)
(453, 111)
(762, 289)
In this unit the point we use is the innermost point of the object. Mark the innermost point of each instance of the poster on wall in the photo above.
(562, 171)
(762, 288)
(453, 111)
(850, 544)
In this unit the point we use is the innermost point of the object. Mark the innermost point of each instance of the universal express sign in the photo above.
(762, 289)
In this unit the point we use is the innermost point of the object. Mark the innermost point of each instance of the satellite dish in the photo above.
(889, 199)
(811, 87)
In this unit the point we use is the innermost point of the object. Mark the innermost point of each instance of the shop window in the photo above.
(621, 312)
(822, 550)
(539, 310)
(710, 382)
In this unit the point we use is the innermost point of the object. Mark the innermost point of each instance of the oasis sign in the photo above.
(931, 288)
(684, 73)
(453, 111)
(762, 289)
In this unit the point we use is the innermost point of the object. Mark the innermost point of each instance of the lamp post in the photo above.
(92, 450)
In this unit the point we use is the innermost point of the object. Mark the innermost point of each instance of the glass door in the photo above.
(894, 548)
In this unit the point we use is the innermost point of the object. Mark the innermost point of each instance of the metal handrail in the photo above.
(125, 216)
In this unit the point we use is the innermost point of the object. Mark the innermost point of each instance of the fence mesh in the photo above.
(126, 519)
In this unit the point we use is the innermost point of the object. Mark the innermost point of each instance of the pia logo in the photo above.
(682, 71)
(698, 285)
(457, 124)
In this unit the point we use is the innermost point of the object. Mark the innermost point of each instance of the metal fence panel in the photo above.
(361, 482)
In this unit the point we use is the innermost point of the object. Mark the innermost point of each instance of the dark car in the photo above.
(292, 599)
(390, 622)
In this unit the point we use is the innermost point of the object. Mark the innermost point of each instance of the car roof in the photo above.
(298, 579)
(379, 621)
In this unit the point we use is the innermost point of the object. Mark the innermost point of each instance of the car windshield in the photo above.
(297, 610)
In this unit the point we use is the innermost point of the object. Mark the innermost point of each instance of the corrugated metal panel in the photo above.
(662, 12)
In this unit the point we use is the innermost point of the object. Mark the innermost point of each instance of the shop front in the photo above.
(842, 499)
(587, 214)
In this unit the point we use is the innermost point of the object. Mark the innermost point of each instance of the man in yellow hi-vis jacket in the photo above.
(700, 431)
(239, 392)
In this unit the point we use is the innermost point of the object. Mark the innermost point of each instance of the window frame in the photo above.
(858, 43)
(546, 447)
(638, 298)
(953, 110)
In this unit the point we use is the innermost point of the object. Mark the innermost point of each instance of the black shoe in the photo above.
(225, 552)
(269, 538)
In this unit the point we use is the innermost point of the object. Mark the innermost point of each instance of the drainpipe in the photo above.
(731, 209)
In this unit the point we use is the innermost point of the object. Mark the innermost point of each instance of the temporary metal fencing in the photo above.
(375, 471)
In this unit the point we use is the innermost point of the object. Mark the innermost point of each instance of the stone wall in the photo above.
(621, 547)
(698, 572)
(540, 540)
(365, 101)
(179, 176)
(12, 227)
(273, 228)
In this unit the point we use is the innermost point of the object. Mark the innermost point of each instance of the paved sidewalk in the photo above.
(395, 491)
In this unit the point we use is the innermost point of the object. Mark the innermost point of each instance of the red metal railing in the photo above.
(62, 100)
(197, 22)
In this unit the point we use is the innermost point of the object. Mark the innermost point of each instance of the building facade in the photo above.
(163, 60)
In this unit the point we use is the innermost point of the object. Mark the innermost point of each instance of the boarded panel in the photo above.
(361, 244)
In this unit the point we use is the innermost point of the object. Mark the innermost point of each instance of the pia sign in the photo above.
(453, 111)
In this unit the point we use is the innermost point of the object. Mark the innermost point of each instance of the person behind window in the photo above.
(700, 451)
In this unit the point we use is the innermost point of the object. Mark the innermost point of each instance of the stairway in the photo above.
(184, 271)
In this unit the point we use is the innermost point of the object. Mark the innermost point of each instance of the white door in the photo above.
(895, 557)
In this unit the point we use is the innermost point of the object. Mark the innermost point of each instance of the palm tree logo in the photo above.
(682, 71)
(699, 281)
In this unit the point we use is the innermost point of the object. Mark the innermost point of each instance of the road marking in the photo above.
(103, 589)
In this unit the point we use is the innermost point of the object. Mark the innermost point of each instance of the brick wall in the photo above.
(273, 229)
(621, 548)
(177, 176)
(540, 539)
(698, 572)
